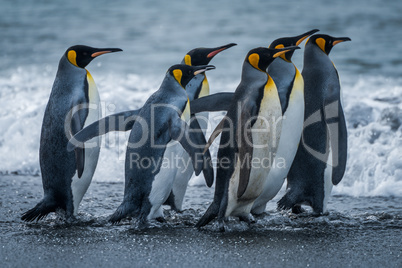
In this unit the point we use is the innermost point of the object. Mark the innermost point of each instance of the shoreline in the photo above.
(356, 233)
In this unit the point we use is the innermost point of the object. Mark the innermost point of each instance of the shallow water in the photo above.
(357, 232)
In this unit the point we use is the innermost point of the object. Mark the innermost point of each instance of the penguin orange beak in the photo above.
(282, 51)
(220, 49)
(301, 37)
(203, 69)
(340, 40)
(105, 51)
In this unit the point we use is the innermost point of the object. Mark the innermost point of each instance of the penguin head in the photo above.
(290, 41)
(202, 56)
(184, 73)
(326, 42)
(261, 57)
(81, 56)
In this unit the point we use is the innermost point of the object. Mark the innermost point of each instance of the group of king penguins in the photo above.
(276, 114)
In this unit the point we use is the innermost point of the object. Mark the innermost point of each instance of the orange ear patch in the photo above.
(72, 57)
(321, 43)
(254, 59)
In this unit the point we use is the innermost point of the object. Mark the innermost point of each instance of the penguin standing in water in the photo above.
(73, 104)
(182, 170)
(198, 87)
(290, 86)
(250, 132)
(157, 125)
(321, 157)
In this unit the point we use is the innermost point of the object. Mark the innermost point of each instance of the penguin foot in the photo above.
(288, 201)
(257, 211)
(249, 219)
(160, 219)
(297, 209)
(221, 226)
(40, 211)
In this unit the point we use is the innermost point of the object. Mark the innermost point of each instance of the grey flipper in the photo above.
(212, 103)
(335, 120)
(79, 114)
(245, 146)
(123, 121)
(217, 131)
(193, 142)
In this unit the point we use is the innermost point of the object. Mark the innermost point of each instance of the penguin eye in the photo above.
(84, 53)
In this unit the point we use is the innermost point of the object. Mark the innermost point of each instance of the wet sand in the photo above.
(367, 237)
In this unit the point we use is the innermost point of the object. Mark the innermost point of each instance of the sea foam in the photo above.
(373, 108)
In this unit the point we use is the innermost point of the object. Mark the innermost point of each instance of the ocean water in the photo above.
(156, 34)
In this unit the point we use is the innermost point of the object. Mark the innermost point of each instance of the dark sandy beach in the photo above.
(361, 234)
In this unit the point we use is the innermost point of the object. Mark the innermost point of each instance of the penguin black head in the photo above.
(290, 41)
(261, 57)
(81, 56)
(326, 42)
(202, 56)
(184, 73)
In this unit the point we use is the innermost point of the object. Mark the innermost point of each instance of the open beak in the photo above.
(301, 37)
(220, 49)
(281, 51)
(102, 51)
(338, 40)
(203, 68)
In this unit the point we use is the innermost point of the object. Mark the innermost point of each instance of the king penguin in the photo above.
(157, 126)
(73, 104)
(250, 134)
(198, 87)
(290, 86)
(321, 157)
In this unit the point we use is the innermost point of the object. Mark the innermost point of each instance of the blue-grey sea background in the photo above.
(156, 34)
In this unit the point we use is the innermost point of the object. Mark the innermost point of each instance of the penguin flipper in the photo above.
(339, 170)
(245, 144)
(212, 103)
(197, 137)
(217, 131)
(79, 115)
(209, 215)
(193, 142)
(123, 121)
(336, 125)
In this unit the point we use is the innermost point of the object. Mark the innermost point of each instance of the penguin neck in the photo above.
(170, 84)
(283, 73)
(197, 87)
(314, 57)
(317, 68)
(68, 70)
(66, 66)
(253, 77)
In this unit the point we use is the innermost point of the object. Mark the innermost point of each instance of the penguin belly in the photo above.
(163, 181)
(185, 168)
(79, 186)
(292, 126)
(265, 144)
